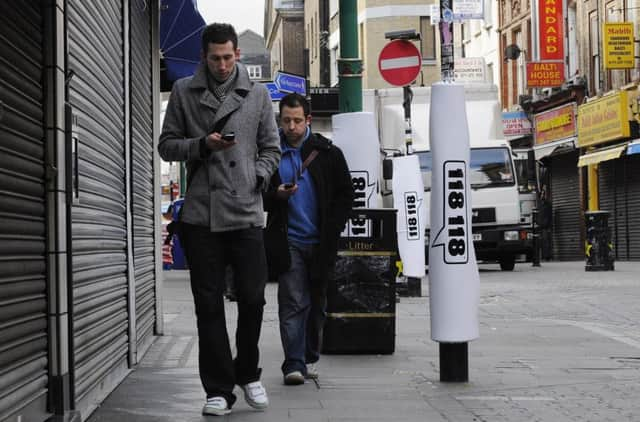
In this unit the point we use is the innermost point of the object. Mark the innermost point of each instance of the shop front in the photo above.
(555, 137)
(610, 158)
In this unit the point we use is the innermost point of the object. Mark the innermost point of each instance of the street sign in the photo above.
(274, 92)
(288, 82)
(545, 74)
(618, 45)
(399, 62)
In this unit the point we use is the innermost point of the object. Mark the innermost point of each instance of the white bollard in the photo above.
(408, 199)
(356, 135)
(454, 281)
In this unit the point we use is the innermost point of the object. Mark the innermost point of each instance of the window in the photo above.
(525, 172)
(488, 13)
(466, 31)
(615, 15)
(489, 167)
(594, 42)
(521, 68)
(633, 15)
(428, 38)
(314, 46)
(334, 66)
(572, 42)
(333, 7)
(361, 40)
(255, 71)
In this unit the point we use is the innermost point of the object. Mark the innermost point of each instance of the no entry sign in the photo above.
(399, 62)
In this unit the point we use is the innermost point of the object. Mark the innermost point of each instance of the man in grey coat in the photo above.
(223, 126)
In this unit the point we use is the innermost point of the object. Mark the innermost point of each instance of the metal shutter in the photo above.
(612, 198)
(567, 215)
(99, 230)
(23, 301)
(632, 184)
(142, 174)
(619, 184)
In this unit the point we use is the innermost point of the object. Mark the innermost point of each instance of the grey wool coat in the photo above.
(225, 192)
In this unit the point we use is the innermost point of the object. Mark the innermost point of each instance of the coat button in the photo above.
(232, 163)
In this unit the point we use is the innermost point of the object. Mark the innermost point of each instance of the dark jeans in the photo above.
(301, 309)
(207, 255)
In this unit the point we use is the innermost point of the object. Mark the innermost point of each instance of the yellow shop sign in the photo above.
(618, 45)
(603, 120)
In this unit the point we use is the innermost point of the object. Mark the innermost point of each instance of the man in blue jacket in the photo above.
(308, 202)
(223, 126)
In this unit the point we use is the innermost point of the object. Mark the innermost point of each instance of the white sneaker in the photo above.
(255, 395)
(216, 406)
(294, 378)
(312, 371)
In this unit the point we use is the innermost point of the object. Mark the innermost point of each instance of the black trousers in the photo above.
(208, 254)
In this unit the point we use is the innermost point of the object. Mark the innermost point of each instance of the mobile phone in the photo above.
(288, 185)
(229, 136)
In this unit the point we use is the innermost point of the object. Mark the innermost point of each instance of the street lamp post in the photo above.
(349, 64)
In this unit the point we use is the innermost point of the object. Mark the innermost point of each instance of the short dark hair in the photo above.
(219, 33)
(295, 100)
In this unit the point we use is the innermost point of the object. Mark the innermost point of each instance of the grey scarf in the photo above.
(220, 89)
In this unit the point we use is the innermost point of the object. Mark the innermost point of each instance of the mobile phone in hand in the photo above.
(229, 136)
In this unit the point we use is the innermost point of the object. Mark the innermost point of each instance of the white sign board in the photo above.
(434, 13)
(468, 9)
(469, 70)
(516, 123)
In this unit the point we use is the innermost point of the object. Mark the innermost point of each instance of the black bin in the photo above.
(361, 297)
(599, 249)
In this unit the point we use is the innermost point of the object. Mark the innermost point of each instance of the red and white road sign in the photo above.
(399, 62)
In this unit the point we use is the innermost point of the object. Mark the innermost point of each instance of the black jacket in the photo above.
(334, 190)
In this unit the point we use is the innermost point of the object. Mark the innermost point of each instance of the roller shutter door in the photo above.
(568, 219)
(98, 214)
(632, 166)
(612, 198)
(619, 187)
(23, 301)
(142, 153)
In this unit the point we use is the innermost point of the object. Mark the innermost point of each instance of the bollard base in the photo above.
(607, 267)
(454, 362)
(412, 288)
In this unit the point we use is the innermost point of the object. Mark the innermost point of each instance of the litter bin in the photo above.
(598, 248)
(361, 297)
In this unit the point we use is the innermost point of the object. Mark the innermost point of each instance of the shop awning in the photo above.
(181, 27)
(596, 157)
(634, 147)
(554, 148)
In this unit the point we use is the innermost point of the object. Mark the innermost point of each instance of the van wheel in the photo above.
(507, 263)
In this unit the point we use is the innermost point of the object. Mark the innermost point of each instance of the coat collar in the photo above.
(317, 141)
(234, 98)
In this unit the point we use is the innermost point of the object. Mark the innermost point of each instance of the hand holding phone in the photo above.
(285, 190)
(220, 142)
(230, 136)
